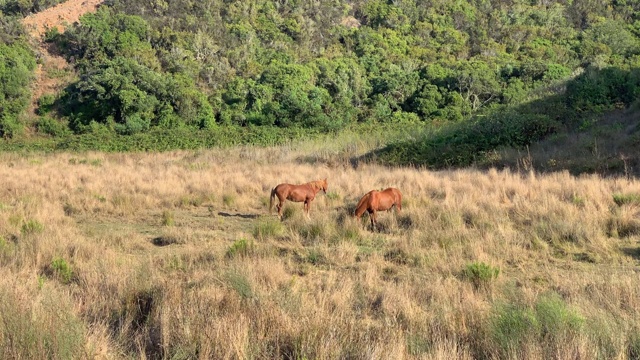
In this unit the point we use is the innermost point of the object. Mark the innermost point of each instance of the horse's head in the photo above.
(324, 185)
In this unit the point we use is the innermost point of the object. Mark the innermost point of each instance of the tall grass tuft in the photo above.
(240, 248)
(268, 228)
(42, 329)
(480, 274)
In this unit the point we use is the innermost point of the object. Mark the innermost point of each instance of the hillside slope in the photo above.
(52, 68)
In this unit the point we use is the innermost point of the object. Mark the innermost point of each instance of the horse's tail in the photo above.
(362, 205)
(273, 195)
(399, 204)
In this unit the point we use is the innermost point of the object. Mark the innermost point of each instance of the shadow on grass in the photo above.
(243, 216)
(634, 252)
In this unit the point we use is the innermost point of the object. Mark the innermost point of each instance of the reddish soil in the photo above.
(53, 71)
(59, 16)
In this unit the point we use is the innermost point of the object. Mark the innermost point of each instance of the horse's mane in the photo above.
(317, 184)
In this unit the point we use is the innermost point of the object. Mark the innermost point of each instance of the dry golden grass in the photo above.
(175, 255)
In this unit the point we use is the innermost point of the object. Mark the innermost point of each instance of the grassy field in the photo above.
(175, 255)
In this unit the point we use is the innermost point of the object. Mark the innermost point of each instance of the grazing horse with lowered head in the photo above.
(376, 200)
(298, 193)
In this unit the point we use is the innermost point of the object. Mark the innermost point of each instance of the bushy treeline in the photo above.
(148, 64)
(321, 64)
(17, 63)
(25, 7)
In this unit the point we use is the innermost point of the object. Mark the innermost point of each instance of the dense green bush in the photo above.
(25, 7)
(145, 68)
(464, 143)
(17, 63)
(598, 90)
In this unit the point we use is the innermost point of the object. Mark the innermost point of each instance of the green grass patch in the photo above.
(240, 284)
(62, 270)
(240, 248)
(168, 218)
(626, 199)
(31, 227)
(480, 274)
(268, 228)
(550, 323)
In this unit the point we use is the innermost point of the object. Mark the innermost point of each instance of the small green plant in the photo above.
(316, 231)
(577, 200)
(550, 322)
(626, 199)
(316, 257)
(31, 227)
(510, 327)
(289, 212)
(332, 195)
(268, 228)
(41, 281)
(241, 247)
(240, 284)
(176, 263)
(5, 247)
(556, 319)
(186, 201)
(480, 274)
(62, 270)
(168, 218)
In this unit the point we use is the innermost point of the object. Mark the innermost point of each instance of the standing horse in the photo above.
(298, 193)
(376, 200)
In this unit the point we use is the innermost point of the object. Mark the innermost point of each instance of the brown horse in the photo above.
(298, 193)
(376, 200)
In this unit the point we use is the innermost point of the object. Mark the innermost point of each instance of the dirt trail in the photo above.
(53, 71)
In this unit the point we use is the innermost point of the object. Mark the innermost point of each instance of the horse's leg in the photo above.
(374, 221)
(306, 207)
(280, 206)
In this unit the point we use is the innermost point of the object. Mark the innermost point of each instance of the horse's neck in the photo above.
(362, 205)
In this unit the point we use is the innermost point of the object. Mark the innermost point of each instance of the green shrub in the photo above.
(332, 195)
(268, 228)
(313, 232)
(556, 319)
(550, 323)
(468, 142)
(241, 247)
(6, 248)
(316, 257)
(480, 274)
(240, 284)
(289, 212)
(626, 199)
(31, 227)
(510, 327)
(62, 270)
